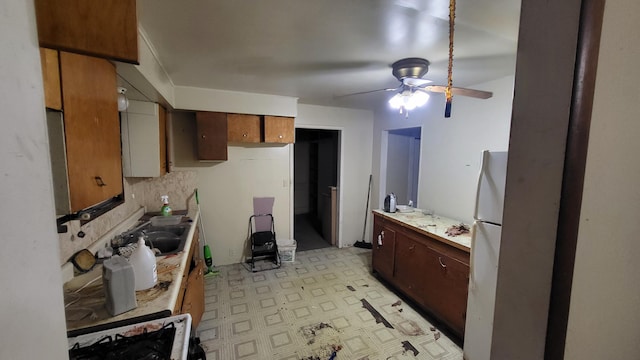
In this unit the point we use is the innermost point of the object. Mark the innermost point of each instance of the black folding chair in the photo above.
(262, 238)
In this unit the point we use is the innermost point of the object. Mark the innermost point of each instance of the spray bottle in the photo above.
(165, 210)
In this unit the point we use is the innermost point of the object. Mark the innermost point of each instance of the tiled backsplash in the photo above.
(139, 192)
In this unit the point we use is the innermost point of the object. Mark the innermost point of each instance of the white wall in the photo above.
(451, 148)
(356, 127)
(227, 188)
(32, 305)
(604, 317)
(398, 164)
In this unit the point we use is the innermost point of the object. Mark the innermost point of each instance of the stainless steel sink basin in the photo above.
(166, 240)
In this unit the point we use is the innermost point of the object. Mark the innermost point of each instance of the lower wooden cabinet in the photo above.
(432, 274)
(191, 294)
(384, 241)
(193, 302)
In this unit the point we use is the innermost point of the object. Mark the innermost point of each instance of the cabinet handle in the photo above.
(244, 135)
(280, 136)
(204, 136)
(444, 266)
(99, 181)
(412, 247)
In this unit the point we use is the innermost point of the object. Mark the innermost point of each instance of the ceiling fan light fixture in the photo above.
(408, 100)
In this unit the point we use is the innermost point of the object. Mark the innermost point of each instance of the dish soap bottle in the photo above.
(165, 210)
(145, 271)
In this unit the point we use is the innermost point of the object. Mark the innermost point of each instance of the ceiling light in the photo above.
(123, 102)
(408, 100)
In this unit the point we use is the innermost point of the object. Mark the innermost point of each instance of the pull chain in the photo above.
(448, 94)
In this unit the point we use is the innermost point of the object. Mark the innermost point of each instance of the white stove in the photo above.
(170, 335)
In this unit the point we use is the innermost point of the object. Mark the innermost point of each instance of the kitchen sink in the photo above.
(164, 240)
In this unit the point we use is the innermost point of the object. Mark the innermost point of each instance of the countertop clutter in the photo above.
(85, 297)
(432, 225)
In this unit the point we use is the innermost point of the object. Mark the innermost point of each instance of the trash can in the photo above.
(287, 250)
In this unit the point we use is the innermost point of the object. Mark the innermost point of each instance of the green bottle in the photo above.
(165, 210)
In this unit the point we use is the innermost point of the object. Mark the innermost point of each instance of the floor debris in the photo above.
(408, 347)
(310, 332)
(350, 288)
(376, 315)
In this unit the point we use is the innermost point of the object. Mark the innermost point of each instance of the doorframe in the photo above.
(384, 154)
(339, 175)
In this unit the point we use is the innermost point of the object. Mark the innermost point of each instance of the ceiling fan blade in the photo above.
(478, 94)
(366, 92)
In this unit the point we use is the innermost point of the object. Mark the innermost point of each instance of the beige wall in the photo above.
(604, 317)
(227, 188)
(30, 280)
(139, 192)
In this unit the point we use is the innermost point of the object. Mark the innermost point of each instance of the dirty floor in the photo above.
(326, 305)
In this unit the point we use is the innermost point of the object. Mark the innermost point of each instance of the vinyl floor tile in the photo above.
(311, 309)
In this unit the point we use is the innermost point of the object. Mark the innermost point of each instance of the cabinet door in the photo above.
(212, 135)
(278, 129)
(51, 78)
(243, 128)
(92, 129)
(164, 141)
(194, 295)
(447, 292)
(384, 241)
(107, 29)
(143, 140)
(410, 273)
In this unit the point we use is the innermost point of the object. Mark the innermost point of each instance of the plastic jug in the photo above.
(144, 266)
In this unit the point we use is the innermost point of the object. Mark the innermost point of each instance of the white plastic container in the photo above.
(287, 250)
(144, 266)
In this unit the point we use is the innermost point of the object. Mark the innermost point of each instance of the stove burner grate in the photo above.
(153, 345)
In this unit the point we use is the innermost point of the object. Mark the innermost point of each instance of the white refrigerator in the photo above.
(485, 250)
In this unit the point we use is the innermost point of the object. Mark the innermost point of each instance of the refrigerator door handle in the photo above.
(483, 164)
(474, 230)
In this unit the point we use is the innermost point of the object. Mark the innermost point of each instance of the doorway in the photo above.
(316, 154)
(403, 164)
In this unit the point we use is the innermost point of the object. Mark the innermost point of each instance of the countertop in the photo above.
(431, 225)
(89, 308)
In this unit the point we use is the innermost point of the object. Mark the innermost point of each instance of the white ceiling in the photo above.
(317, 49)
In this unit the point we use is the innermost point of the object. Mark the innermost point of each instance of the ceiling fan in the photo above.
(414, 90)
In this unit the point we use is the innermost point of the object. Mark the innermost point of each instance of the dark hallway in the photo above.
(316, 178)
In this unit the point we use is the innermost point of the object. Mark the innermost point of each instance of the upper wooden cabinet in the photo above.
(243, 128)
(92, 129)
(144, 142)
(211, 135)
(107, 29)
(51, 77)
(279, 129)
